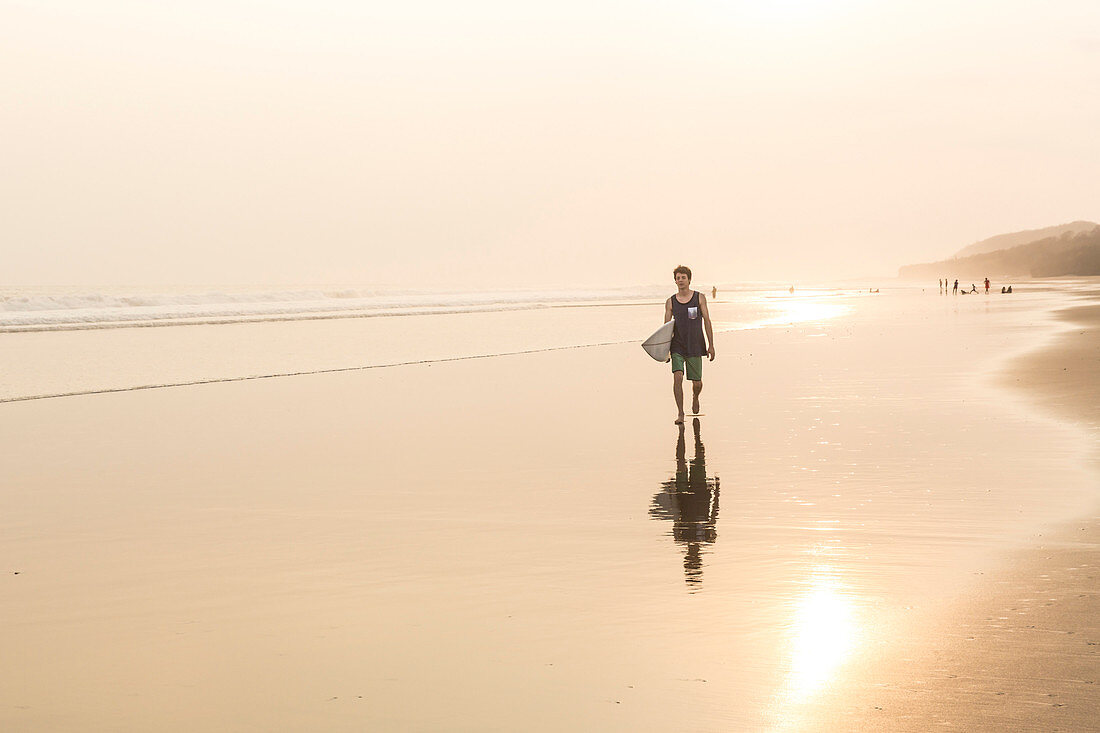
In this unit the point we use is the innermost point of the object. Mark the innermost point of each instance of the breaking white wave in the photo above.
(37, 311)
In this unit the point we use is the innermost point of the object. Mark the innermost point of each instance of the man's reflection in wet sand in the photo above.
(690, 500)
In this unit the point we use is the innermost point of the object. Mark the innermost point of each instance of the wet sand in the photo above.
(528, 543)
(1020, 650)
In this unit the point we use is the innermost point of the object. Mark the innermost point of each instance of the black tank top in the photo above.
(687, 337)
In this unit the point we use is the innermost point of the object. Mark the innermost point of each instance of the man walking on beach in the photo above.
(689, 309)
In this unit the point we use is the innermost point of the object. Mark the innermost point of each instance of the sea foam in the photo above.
(30, 310)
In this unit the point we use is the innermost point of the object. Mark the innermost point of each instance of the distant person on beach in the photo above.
(987, 286)
(1010, 288)
(955, 289)
(689, 309)
(713, 293)
(941, 286)
(973, 289)
(1002, 290)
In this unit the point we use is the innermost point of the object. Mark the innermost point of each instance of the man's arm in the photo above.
(668, 311)
(706, 324)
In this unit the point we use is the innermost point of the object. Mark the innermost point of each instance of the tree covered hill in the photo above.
(1015, 239)
(1067, 254)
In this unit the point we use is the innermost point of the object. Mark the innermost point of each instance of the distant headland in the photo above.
(1067, 249)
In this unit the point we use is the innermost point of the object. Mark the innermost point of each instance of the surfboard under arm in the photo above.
(659, 344)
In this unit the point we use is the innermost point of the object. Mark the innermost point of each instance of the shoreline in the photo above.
(256, 535)
(1020, 648)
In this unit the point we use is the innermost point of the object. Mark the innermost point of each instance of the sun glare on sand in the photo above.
(824, 632)
(801, 309)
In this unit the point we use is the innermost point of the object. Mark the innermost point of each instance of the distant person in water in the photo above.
(987, 286)
(955, 289)
(689, 309)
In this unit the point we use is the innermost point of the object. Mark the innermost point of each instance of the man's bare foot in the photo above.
(679, 420)
(695, 405)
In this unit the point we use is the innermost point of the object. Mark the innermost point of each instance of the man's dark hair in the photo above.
(684, 269)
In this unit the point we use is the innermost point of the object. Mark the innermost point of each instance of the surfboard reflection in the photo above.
(690, 500)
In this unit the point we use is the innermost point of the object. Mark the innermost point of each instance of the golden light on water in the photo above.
(824, 633)
(799, 310)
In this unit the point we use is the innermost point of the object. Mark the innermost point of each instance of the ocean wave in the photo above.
(59, 310)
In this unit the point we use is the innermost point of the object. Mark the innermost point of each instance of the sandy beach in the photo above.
(886, 520)
(1020, 649)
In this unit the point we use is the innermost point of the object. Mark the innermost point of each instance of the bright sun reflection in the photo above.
(798, 310)
(824, 633)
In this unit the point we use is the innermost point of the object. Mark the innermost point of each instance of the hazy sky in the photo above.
(478, 143)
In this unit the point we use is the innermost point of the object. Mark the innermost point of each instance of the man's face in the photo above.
(682, 280)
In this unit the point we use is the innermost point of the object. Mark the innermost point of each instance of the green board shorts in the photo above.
(692, 366)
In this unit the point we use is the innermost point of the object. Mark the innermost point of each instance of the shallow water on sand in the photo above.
(524, 542)
(44, 363)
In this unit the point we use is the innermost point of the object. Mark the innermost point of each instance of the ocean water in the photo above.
(64, 342)
(66, 308)
(33, 309)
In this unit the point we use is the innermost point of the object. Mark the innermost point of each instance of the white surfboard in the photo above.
(660, 343)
